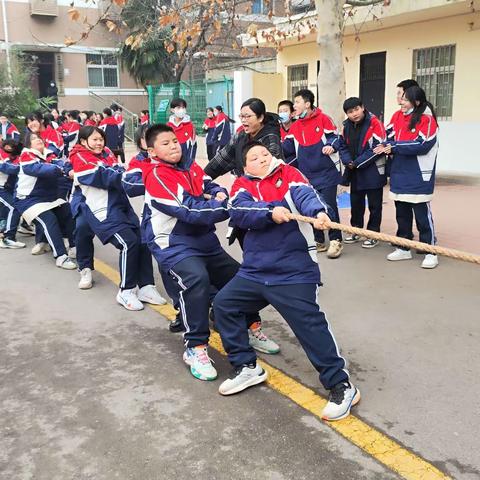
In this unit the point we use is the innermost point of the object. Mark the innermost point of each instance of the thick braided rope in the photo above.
(402, 242)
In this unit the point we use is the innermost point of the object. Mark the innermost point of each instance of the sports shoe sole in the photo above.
(429, 267)
(243, 386)
(264, 350)
(369, 246)
(124, 305)
(197, 374)
(147, 300)
(356, 398)
(11, 247)
(398, 259)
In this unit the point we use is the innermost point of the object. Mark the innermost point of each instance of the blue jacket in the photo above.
(276, 254)
(8, 171)
(37, 185)
(179, 220)
(306, 139)
(133, 183)
(99, 193)
(369, 172)
(223, 133)
(414, 154)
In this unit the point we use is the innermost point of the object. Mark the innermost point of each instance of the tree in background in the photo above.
(188, 28)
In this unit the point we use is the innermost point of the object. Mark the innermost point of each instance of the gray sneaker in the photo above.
(241, 378)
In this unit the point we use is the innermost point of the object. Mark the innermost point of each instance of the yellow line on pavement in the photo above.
(384, 449)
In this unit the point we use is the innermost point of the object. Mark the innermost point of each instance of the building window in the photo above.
(102, 70)
(297, 78)
(260, 7)
(433, 69)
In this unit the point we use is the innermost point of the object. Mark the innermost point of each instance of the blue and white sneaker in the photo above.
(343, 396)
(200, 363)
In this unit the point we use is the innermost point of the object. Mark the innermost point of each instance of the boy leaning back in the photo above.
(280, 269)
(182, 207)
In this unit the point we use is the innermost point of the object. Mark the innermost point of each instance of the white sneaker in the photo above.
(63, 261)
(399, 254)
(241, 378)
(40, 248)
(25, 230)
(430, 261)
(342, 398)
(321, 247)
(149, 294)
(86, 281)
(335, 249)
(259, 341)
(129, 299)
(72, 252)
(7, 243)
(200, 363)
(351, 238)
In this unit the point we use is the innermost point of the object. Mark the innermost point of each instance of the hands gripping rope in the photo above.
(402, 242)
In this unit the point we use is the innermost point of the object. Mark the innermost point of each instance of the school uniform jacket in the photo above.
(121, 128)
(11, 132)
(209, 127)
(53, 141)
(9, 168)
(69, 131)
(306, 139)
(99, 193)
(276, 254)
(179, 221)
(110, 126)
(223, 133)
(412, 170)
(369, 167)
(185, 133)
(132, 181)
(37, 185)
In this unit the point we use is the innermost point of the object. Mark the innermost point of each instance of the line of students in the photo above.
(410, 144)
(217, 129)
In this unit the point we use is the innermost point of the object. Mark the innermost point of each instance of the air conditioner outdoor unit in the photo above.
(48, 8)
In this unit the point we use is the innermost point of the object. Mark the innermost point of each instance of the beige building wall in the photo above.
(399, 43)
(266, 86)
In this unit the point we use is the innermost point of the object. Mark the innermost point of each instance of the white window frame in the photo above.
(102, 66)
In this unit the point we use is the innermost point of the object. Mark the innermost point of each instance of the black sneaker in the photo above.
(177, 325)
(343, 396)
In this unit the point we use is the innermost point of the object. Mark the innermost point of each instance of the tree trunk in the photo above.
(331, 77)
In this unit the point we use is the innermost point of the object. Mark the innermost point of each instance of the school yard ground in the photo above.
(91, 391)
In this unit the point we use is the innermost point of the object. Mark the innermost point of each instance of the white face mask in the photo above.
(284, 117)
(180, 112)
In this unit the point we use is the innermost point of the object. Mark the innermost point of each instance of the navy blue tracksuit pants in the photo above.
(135, 261)
(329, 195)
(56, 225)
(84, 236)
(12, 214)
(297, 304)
(423, 218)
(194, 277)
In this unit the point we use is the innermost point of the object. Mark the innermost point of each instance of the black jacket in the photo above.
(229, 158)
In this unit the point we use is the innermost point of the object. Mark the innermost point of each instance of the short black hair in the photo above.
(406, 84)
(139, 134)
(75, 114)
(107, 111)
(287, 103)
(307, 95)
(248, 147)
(15, 145)
(178, 102)
(351, 102)
(34, 116)
(144, 112)
(154, 131)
